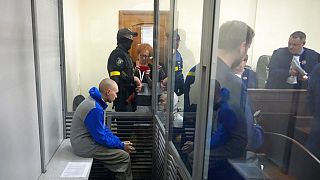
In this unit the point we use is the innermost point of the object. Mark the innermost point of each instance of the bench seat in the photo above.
(59, 161)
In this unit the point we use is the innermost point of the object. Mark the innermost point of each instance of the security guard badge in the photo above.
(119, 61)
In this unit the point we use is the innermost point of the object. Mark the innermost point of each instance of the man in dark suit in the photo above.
(313, 142)
(280, 68)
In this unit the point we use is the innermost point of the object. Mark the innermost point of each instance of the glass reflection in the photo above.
(283, 116)
(186, 38)
(163, 59)
(230, 134)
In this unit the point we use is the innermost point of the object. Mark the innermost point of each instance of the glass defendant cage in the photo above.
(175, 136)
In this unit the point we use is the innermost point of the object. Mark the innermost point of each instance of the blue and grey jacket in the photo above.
(88, 130)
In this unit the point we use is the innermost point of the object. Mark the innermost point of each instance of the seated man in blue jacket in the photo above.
(280, 64)
(91, 138)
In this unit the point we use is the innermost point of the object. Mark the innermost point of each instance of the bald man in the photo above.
(91, 138)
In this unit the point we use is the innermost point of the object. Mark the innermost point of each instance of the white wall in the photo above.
(72, 48)
(90, 36)
(244, 10)
(19, 131)
(189, 24)
(99, 26)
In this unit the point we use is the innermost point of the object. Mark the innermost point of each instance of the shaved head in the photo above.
(107, 84)
(108, 89)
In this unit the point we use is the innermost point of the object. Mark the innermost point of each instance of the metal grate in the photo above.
(173, 173)
(148, 138)
(136, 128)
(68, 125)
(159, 153)
(139, 130)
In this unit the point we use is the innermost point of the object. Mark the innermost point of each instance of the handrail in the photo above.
(297, 143)
(129, 115)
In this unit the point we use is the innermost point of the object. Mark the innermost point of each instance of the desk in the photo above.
(251, 170)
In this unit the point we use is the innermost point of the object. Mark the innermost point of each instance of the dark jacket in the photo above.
(236, 145)
(314, 91)
(190, 78)
(120, 69)
(249, 78)
(313, 141)
(279, 67)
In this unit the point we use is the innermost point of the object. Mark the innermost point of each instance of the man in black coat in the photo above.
(280, 68)
(120, 68)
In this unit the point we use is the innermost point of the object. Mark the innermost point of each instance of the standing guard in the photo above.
(120, 69)
(179, 79)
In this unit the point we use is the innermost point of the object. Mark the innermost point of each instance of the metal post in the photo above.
(38, 82)
(62, 66)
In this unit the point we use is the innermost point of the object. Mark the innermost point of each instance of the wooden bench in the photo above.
(60, 160)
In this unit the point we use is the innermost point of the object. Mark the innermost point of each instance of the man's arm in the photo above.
(279, 67)
(95, 124)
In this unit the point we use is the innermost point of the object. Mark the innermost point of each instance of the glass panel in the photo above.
(186, 55)
(257, 132)
(164, 56)
(90, 30)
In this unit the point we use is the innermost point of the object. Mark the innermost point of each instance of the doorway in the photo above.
(142, 22)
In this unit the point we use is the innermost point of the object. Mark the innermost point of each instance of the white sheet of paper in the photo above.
(76, 169)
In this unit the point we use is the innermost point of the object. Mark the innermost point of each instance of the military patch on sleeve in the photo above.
(119, 61)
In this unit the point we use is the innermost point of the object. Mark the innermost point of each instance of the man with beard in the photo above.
(120, 68)
(235, 38)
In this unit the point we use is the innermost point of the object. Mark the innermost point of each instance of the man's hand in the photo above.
(138, 83)
(128, 147)
(293, 72)
(187, 147)
(303, 78)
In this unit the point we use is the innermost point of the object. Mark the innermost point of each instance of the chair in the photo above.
(262, 70)
(76, 101)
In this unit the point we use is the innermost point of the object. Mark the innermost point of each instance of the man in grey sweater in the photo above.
(91, 138)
